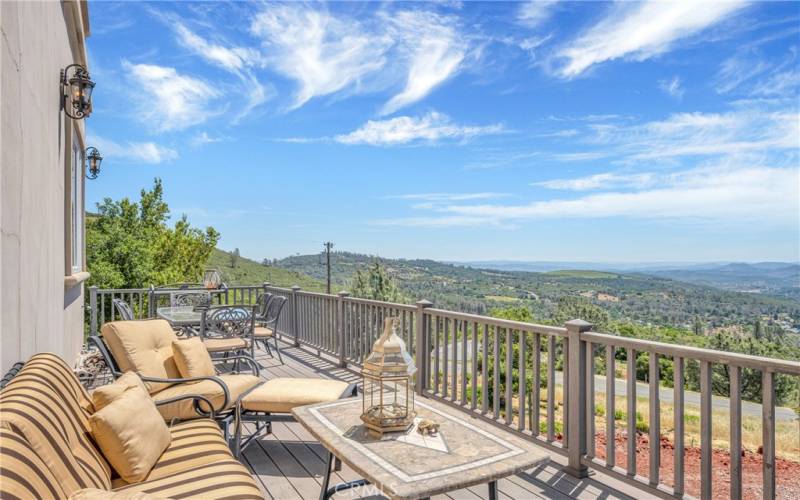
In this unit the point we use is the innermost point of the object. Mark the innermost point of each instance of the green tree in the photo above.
(375, 283)
(571, 307)
(130, 245)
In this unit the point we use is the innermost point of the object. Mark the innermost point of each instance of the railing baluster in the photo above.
(551, 388)
(496, 374)
(463, 362)
(655, 420)
(565, 392)
(485, 370)
(611, 385)
(590, 430)
(509, 377)
(768, 432)
(736, 432)
(437, 354)
(523, 389)
(445, 357)
(454, 368)
(706, 466)
(631, 393)
(678, 383)
(474, 369)
(536, 390)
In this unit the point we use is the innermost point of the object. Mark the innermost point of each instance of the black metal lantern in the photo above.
(77, 91)
(93, 161)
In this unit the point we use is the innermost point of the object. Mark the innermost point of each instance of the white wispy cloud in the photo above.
(606, 180)
(782, 83)
(533, 13)
(435, 49)
(737, 69)
(323, 53)
(431, 127)
(239, 61)
(204, 137)
(672, 87)
(639, 31)
(173, 101)
(137, 152)
(722, 194)
(747, 130)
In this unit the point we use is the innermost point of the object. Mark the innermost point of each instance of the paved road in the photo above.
(689, 397)
(643, 390)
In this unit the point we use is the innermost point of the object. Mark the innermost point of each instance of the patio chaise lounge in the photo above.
(49, 450)
(146, 347)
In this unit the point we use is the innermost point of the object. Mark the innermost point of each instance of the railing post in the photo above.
(93, 310)
(421, 346)
(265, 285)
(295, 332)
(576, 382)
(340, 329)
(151, 302)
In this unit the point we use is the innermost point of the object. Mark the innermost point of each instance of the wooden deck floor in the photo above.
(289, 463)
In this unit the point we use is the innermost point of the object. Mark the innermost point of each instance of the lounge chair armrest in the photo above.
(216, 380)
(198, 398)
(252, 362)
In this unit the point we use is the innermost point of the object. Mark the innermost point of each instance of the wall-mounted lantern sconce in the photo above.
(93, 161)
(76, 88)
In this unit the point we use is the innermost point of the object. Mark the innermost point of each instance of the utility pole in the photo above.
(328, 245)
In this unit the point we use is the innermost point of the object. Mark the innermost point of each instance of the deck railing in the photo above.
(482, 365)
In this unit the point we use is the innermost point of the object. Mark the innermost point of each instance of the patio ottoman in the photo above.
(280, 395)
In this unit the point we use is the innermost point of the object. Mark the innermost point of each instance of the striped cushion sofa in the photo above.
(47, 451)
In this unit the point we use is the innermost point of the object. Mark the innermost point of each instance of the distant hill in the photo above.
(643, 298)
(250, 272)
(774, 278)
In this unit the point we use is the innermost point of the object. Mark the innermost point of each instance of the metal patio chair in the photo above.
(123, 309)
(228, 330)
(268, 326)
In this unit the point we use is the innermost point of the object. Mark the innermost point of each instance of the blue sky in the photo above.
(545, 130)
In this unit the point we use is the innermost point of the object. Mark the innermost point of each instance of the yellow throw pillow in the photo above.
(131, 434)
(105, 395)
(192, 358)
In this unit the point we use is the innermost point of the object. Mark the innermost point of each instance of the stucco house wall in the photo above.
(41, 296)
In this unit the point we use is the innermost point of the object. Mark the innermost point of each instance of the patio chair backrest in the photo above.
(143, 346)
(123, 309)
(198, 298)
(227, 321)
(261, 304)
(274, 310)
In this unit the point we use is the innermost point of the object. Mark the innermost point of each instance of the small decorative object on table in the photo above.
(427, 427)
(388, 374)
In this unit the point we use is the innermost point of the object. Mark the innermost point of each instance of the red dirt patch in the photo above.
(786, 472)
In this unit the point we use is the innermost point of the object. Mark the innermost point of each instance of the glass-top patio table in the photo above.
(180, 315)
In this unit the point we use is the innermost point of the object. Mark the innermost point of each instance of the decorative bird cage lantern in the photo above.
(388, 374)
(211, 279)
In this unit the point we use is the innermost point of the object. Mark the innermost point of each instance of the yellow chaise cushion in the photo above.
(106, 394)
(184, 410)
(192, 358)
(131, 434)
(280, 395)
(143, 346)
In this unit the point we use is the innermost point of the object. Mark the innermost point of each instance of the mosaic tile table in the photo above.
(405, 466)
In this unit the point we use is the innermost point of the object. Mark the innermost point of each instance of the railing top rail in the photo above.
(696, 353)
(393, 305)
(122, 290)
(308, 293)
(502, 323)
(279, 289)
